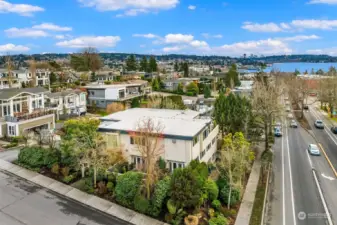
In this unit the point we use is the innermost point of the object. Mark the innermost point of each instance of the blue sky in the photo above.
(203, 27)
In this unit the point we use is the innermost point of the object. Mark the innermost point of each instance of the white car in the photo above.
(313, 150)
(293, 124)
(319, 124)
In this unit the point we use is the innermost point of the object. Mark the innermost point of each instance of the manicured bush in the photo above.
(36, 157)
(216, 204)
(160, 194)
(141, 204)
(68, 179)
(235, 195)
(200, 168)
(110, 186)
(171, 207)
(127, 187)
(212, 190)
(218, 220)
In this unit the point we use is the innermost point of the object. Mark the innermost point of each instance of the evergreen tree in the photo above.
(185, 69)
(297, 72)
(153, 67)
(131, 63)
(180, 88)
(93, 77)
(52, 78)
(143, 64)
(207, 92)
(232, 77)
(176, 66)
(155, 85)
(135, 103)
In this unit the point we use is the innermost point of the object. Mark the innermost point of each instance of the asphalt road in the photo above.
(23, 203)
(296, 197)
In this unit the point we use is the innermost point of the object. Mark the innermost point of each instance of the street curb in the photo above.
(327, 158)
(91, 201)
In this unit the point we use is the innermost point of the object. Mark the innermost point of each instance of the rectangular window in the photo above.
(174, 165)
(213, 141)
(132, 140)
(5, 110)
(209, 146)
(12, 130)
(195, 140)
(40, 103)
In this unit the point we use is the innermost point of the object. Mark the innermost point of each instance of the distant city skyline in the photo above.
(227, 28)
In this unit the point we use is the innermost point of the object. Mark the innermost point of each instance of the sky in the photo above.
(201, 27)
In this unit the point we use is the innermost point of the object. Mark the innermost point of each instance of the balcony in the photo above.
(18, 117)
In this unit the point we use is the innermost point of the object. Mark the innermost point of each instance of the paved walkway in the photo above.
(79, 196)
(246, 207)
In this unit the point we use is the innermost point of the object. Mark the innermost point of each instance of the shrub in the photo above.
(102, 188)
(107, 82)
(216, 204)
(141, 204)
(191, 220)
(68, 179)
(65, 171)
(36, 157)
(11, 145)
(160, 194)
(235, 195)
(218, 220)
(212, 190)
(110, 186)
(171, 207)
(77, 82)
(222, 182)
(55, 169)
(127, 187)
(200, 168)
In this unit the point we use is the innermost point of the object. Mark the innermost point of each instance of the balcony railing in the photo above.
(18, 117)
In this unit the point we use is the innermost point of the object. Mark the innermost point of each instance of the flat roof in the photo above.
(120, 85)
(182, 123)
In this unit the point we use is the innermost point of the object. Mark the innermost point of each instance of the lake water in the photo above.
(302, 67)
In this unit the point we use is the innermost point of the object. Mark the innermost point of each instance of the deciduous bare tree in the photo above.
(115, 107)
(149, 140)
(9, 67)
(32, 70)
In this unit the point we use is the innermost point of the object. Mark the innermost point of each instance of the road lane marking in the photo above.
(291, 180)
(309, 158)
(327, 158)
(322, 199)
(328, 177)
(283, 185)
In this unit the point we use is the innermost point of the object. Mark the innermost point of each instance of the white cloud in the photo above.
(52, 27)
(191, 7)
(60, 37)
(178, 38)
(300, 38)
(265, 47)
(173, 49)
(90, 41)
(13, 48)
(314, 24)
(329, 2)
(267, 27)
(131, 7)
(285, 26)
(207, 35)
(149, 36)
(21, 9)
(199, 44)
(25, 32)
(326, 51)
(142, 46)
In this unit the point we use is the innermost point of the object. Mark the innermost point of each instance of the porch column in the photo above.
(42, 101)
(11, 107)
(29, 103)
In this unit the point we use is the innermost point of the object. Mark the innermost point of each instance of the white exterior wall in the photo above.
(113, 93)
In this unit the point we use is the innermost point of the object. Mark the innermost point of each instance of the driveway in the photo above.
(23, 203)
(10, 155)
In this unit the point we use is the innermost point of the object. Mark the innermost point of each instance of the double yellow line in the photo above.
(327, 158)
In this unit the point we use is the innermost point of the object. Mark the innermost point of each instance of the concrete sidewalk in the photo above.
(79, 196)
(247, 203)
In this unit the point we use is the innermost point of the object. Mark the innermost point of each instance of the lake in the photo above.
(301, 66)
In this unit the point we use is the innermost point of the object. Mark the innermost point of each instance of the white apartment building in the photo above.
(186, 137)
(70, 102)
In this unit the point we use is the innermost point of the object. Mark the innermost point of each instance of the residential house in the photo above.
(24, 109)
(41, 76)
(172, 85)
(103, 95)
(9, 82)
(69, 102)
(185, 136)
(103, 76)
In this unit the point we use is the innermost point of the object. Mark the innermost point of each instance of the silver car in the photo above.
(319, 124)
(313, 150)
(293, 124)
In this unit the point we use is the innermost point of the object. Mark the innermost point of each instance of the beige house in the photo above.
(24, 109)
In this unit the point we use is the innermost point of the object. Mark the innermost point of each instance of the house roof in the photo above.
(63, 93)
(11, 92)
(183, 123)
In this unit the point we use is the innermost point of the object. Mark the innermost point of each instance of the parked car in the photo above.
(293, 124)
(319, 124)
(278, 132)
(313, 150)
(334, 129)
(305, 107)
